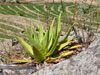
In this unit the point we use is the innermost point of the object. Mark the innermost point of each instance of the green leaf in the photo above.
(38, 55)
(45, 40)
(51, 34)
(50, 43)
(54, 45)
(33, 34)
(40, 33)
(67, 34)
(51, 29)
(58, 27)
(38, 50)
(26, 46)
(58, 31)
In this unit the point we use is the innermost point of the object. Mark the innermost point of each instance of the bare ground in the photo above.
(19, 20)
(87, 1)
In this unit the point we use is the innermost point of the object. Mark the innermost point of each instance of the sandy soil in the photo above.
(87, 1)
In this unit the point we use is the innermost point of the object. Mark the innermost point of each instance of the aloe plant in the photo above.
(42, 45)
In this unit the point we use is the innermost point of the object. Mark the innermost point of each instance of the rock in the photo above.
(81, 37)
(16, 69)
(97, 34)
(17, 72)
(85, 63)
(60, 38)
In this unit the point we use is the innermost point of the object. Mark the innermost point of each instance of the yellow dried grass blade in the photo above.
(50, 60)
(21, 61)
(67, 53)
(73, 47)
(65, 44)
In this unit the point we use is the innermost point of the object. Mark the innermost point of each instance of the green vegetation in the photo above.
(47, 11)
(18, 9)
(11, 23)
(45, 44)
(8, 26)
(2, 35)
